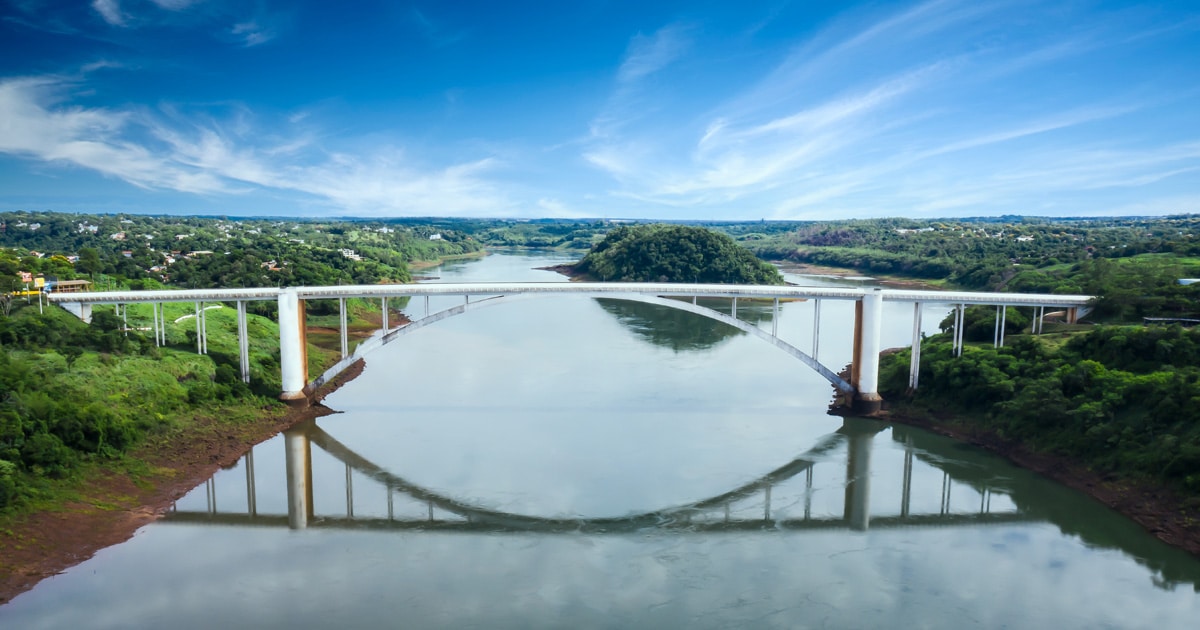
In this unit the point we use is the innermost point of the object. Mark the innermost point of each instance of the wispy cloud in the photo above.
(732, 159)
(557, 209)
(907, 111)
(174, 5)
(157, 152)
(645, 57)
(252, 33)
(1031, 128)
(100, 64)
(649, 54)
(110, 10)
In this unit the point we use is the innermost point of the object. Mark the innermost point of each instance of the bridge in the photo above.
(861, 388)
(746, 507)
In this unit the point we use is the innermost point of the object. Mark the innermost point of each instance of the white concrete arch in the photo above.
(377, 342)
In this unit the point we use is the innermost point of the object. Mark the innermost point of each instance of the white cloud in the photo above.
(174, 5)
(110, 10)
(155, 153)
(251, 33)
(648, 55)
(101, 64)
(557, 209)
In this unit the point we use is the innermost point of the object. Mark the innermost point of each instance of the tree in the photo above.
(89, 261)
(71, 353)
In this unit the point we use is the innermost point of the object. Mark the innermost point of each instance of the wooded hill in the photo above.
(674, 253)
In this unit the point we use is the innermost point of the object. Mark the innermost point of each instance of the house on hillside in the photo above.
(68, 286)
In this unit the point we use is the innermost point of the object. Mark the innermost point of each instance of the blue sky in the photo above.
(674, 110)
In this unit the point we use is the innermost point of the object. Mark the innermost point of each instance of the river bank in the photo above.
(1167, 515)
(114, 498)
(421, 265)
(898, 282)
(114, 502)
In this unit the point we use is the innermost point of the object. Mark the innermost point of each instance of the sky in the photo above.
(697, 110)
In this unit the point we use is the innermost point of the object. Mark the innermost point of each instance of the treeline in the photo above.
(1132, 264)
(674, 253)
(1122, 400)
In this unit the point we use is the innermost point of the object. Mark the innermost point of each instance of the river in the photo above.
(571, 462)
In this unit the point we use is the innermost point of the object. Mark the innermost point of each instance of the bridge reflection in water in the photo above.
(969, 477)
(715, 514)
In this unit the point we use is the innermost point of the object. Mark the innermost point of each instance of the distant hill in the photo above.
(674, 253)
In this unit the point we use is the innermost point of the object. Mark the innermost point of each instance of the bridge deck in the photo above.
(579, 288)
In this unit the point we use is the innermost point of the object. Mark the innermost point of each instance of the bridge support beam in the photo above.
(960, 320)
(1001, 321)
(868, 325)
(914, 365)
(292, 360)
(342, 327)
(243, 341)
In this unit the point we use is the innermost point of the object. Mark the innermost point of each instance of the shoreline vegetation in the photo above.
(105, 501)
(1110, 411)
(1131, 263)
(1161, 511)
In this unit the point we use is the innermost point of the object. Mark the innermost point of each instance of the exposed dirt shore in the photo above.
(837, 272)
(42, 544)
(567, 270)
(1162, 512)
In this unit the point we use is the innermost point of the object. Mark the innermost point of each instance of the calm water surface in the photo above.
(569, 462)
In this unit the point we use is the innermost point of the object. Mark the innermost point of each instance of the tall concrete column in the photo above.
(291, 346)
(869, 333)
(298, 459)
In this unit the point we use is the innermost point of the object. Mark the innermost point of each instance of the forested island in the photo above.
(87, 403)
(674, 253)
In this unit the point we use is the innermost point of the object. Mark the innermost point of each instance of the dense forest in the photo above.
(674, 253)
(1122, 400)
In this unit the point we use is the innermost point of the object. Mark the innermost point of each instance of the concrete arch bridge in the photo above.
(861, 388)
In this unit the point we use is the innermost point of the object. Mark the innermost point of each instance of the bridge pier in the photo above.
(293, 366)
(867, 336)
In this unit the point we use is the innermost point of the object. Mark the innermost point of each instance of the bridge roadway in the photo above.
(862, 387)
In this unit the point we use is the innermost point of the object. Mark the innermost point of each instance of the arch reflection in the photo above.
(712, 514)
